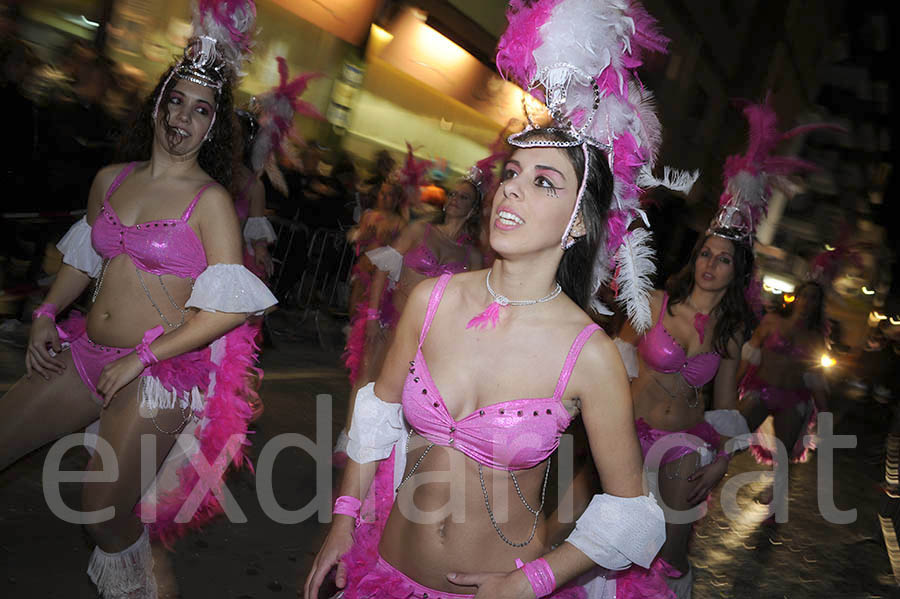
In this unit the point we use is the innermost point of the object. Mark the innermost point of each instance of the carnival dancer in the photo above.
(420, 251)
(704, 318)
(784, 378)
(163, 351)
(560, 224)
(269, 137)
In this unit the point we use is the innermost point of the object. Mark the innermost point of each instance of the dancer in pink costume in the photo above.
(704, 318)
(422, 250)
(164, 351)
(579, 178)
(784, 377)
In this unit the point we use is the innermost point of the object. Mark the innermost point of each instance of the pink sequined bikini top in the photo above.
(778, 343)
(160, 247)
(662, 353)
(422, 260)
(509, 435)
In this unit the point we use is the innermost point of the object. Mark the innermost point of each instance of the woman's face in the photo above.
(460, 200)
(714, 267)
(534, 202)
(191, 108)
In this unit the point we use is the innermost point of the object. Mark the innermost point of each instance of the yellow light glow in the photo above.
(867, 291)
(876, 315)
(827, 361)
(894, 321)
(829, 248)
(789, 298)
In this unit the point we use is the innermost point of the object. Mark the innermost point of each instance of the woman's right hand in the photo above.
(38, 357)
(336, 545)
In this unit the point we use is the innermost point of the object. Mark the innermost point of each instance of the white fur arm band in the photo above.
(230, 288)
(814, 381)
(376, 427)
(387, 259)
(730, 423)
(77, 250)
(751, 354)
(629, 357)
(615, 532)
(258, 228)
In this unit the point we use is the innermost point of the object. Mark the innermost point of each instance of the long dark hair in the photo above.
(573, 273)
(816, 319)
(734, 316)
(216, 155)
(472, 227)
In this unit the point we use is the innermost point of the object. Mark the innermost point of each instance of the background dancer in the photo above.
(169, 289)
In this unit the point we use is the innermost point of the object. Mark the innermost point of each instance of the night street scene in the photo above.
(443, 299)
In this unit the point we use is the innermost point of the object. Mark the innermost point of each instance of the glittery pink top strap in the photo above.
(436, 294)
(569, 364)
(190, 209)
(119, 178)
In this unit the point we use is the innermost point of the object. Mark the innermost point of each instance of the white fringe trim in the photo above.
(155, 396)
(127, 574)
(675, 180)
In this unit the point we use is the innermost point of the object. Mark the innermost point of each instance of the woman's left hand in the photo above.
(263, 258)
(116, 375)
(705, 480)
(495, 585)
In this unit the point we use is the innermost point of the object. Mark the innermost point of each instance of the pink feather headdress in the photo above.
(220, 42)
(275, 111)
(748, 177)
(580, 57)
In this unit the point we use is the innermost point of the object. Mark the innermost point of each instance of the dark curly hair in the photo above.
(216, 155)
(734, 316)
(578, 261)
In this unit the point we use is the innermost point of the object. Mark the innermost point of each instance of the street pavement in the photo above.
(744, 558)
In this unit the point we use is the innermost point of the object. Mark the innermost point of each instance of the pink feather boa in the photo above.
(225, 417)
(646, 583)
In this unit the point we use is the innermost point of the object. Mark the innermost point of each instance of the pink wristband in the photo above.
(143, 351)
(540, 576)
(373, 314)
(347, 505)
(45, 309)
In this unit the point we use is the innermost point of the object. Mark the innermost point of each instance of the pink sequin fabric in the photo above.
(160, 247)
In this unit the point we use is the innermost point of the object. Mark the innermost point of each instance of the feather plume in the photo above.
(230, 23)
(634, 264)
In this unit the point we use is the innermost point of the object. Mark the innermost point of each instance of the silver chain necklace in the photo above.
(505, 301)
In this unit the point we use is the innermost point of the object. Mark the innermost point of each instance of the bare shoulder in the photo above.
(214, 200)
(103, 180)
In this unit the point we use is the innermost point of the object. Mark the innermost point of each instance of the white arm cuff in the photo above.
(730, 423)
(615, 532)
(629, 357)
(258, 228)
(77, 250)
(230, 288)
(375, 428)
(387, 259)
(751, 354)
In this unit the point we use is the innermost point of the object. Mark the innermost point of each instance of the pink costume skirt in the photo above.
(777, 400)
(179, 379)
(646, 583)
(216, 382)
(709, 441)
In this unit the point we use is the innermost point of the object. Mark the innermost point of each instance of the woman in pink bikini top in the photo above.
(161, 245)
(483, 442)
(700, 322)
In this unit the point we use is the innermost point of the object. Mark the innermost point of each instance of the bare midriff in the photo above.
(122, 311)
(442, 526)
(782, 371)
(660, 409)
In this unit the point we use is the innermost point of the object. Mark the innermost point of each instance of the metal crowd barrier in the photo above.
(325, 282)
